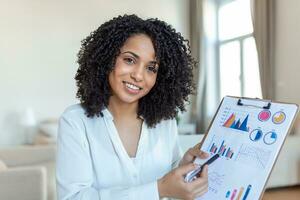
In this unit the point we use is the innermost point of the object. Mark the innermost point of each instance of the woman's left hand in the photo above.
(192, 153)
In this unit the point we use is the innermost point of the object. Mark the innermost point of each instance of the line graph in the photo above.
(215, 181)
(254, 156)
(216, 178)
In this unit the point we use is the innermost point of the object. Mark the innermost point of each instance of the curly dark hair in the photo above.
(98, 54)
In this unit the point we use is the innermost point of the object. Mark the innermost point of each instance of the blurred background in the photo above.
(244, 47)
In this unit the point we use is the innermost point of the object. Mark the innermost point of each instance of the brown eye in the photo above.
(129, 61)
(152, 68)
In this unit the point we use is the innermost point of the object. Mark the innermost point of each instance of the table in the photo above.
(288, 193)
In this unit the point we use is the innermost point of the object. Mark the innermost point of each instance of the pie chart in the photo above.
(256, 135)
(264, 115)
(278, 117)
(270, 137)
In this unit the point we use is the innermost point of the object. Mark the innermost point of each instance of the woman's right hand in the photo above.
(174, 185)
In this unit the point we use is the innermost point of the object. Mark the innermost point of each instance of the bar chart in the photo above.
(223, 150)
(238, 194)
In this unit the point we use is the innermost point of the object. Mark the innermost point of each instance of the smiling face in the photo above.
(135, 70)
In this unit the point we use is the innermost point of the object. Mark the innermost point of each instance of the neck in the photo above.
(121, 109)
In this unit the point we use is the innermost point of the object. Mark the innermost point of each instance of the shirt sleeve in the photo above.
(147, 191)
(176, 152)
(74, 170)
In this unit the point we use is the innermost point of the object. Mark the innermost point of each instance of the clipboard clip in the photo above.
(264, 107)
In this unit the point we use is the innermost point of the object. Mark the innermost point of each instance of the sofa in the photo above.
(28, 172)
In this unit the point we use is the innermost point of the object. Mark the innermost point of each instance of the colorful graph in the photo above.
(278, 117)
(231, 122)
(253, 156)
(222, 150)
(238, 194)
(256, 135)
(264, 115)
(216, 178)
(215, 181)
(270, 138)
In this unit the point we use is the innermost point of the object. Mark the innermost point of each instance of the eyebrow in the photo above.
(137, 57)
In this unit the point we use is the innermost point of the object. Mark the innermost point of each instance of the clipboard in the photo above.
(248, 135)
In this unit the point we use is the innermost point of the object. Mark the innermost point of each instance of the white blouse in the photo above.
(93, 164)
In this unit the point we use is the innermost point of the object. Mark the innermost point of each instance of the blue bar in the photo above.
(223, 152)
(216, 150)
(247, 192)
(227, 194)
(227, 152)
(221, 147)
(212, 146)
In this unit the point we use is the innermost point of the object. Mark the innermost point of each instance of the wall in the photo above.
(38, 46)
(287, 51)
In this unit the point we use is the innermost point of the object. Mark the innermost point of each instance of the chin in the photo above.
(129, 100)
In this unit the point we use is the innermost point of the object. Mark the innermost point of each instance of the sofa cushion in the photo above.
(2, 166)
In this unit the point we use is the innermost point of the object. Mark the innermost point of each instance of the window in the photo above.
(238, 63)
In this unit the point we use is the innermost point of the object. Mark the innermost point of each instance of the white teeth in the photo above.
(132, 86)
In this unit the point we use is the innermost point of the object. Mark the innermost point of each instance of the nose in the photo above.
(137, 74)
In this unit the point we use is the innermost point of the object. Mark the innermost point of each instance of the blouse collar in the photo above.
(107, 114)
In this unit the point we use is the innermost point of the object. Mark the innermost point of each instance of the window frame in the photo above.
(219, 43)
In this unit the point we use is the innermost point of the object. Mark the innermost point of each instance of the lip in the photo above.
(130, 90)
(133, 84)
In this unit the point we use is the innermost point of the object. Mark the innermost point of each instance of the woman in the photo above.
(121, 141)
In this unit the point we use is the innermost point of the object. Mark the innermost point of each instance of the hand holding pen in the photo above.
(197, 172)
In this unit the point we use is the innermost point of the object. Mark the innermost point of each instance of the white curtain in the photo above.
(203, 44)
(263, 18)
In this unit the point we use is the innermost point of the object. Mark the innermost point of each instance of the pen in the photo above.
(196, 173)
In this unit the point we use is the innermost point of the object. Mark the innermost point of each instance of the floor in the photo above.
(289, 193)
